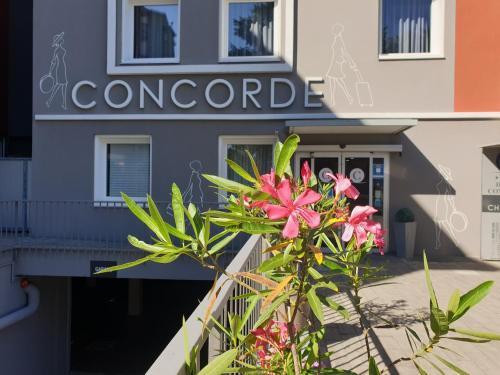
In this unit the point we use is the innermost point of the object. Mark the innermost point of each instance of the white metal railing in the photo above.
(172, 360)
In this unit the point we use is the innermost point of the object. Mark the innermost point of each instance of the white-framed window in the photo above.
(411, 29)
(150, 31)
(233, 147)
(250, 30)
(122, 163)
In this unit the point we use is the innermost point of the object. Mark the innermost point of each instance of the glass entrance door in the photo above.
(367, 171)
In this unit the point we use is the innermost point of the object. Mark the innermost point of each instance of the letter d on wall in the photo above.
(286, 82)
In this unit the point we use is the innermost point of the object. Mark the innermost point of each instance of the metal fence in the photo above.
(172, 359)
(78, 224)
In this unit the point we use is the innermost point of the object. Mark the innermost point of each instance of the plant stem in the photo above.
(357, 307)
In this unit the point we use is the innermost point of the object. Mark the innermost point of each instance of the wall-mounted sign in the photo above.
(323, 175)
(357, 175)
(99, 265)
(490, 210)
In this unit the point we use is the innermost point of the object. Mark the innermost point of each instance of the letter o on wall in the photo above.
(209, 88)
(112, 84)
(74, 95)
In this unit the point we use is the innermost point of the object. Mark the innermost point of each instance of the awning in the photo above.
(350, 126)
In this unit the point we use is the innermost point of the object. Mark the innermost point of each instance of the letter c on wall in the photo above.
(112, 84)
(74, 95)
(173, 94)
(208, 90)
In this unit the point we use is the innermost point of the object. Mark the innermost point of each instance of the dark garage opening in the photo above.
(120, 326)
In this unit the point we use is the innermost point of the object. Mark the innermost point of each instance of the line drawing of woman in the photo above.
(193, 193)
(446, 214)
(340, 56)
(57, 72)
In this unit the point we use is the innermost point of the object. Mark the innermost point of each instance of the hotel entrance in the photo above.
(368, 171)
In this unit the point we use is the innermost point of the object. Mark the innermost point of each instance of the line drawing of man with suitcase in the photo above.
(336, 76)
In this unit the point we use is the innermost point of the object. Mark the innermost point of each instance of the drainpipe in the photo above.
(33, 296)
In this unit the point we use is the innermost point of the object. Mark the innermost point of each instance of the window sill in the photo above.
(175, 60)
(411, 56)
(255, 59)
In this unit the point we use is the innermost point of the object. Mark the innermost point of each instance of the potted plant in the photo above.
(405, 230)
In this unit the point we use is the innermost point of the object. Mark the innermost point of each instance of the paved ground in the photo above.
(403, 299)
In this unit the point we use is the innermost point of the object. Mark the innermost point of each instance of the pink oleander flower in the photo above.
(269, 340)
(358, 225)
(306, 173)
(379, 240)
(293, 209)
(268, 184)
(344, 185)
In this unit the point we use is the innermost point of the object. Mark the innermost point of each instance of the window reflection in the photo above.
(251, 29)
(155, 31)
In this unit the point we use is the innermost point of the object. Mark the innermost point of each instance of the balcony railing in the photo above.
(76, 224)
(172, 359)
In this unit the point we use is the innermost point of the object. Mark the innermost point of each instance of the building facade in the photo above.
(133, 95)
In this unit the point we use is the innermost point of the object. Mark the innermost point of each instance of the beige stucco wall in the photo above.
(427, 148)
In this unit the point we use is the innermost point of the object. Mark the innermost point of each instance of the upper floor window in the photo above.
(150, 31)
(250, 30)
(411, 28)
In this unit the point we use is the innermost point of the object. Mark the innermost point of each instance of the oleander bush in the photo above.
(300, 218)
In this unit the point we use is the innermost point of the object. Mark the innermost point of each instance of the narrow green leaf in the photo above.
(286, 154)
(315, 304)
(185, 342)
(481, 335)
(220, 364)
(372, 367)
(254, 166)
(178, 209)
(157, 218)
(252, 303)
(274, 262)
(277, 150)
(135, 263)
(472, 298)
(428, 281)
(266, 314)
(450, 365)
(143, 216)
(228, 185)
(135, 242)
(256, 228)
(421, 371)
(453, 303)
(436, 367)
(222, 243)
(439, 321)
(240, 171)
(329, 302)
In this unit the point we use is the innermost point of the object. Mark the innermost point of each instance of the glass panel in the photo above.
(262, 154)
(322, 166)
(378, 187)
(155, 31)
(358, 170)
(406, 26)
(251, 29)
(128, 170)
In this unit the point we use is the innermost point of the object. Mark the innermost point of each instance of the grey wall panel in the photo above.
(38, 345)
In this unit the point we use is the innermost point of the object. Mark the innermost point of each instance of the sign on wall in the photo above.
(99, 265)
(490, 210)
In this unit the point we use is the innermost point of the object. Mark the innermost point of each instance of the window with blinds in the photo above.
(262, 154)
(128, 169)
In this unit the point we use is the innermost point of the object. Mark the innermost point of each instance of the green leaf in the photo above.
(472, 298)
(178, 209)
(156, 216)
(240, 171)
(222, 243)
(252, 302)
(135, 242)
(220, 363)
(439, 321)
(453, 303)
(256, 228)
(450, 365)
(254, 166)
(433, 365)
(315, 304)
(228, 185)
(277, 150)
(481, 335)
(185, 342)
(334, 306)
(143, 216)
(274, 262)
(135, 263)
(421, 371)
(428, 281)
(286, 154)
(326, 284)
(372, 367)
(273, 307)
